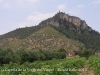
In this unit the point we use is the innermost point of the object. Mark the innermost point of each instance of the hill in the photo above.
(46, 38)
(61, 30)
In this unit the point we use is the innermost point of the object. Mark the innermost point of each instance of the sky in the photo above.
(21, 13)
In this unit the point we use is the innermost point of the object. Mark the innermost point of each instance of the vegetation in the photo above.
(55, 38)
(70, 66)
(42, 49)
(25, 62)
(21, 56)
(94, 64)
(20, 33)
(90, 39)
(46, 38)
(86, 53)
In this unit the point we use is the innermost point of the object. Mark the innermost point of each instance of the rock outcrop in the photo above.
(65, 17)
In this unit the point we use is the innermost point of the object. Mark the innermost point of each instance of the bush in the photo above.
(87, 53)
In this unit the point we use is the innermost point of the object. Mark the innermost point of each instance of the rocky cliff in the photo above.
(62, 20)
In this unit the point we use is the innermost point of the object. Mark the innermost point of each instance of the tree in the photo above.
(87, 53)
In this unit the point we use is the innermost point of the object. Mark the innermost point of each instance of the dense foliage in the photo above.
(20, 33)
(8, 55)
(94, 63)
(90, 39)
(85, 53)
(70, 66)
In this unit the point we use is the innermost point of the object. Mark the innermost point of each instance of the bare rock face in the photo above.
(71, 19)
(64, 16)
(49, 22)
(84, 25)
(75, 20)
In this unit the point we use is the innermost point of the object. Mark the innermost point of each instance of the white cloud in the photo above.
(37, 17)
(34, 19)
(32, 0)
(81, 6)
(31, 20)
(61, 6)
(22, 24)
(17, 3)
(96, 2)
(26, 1)
(6, 5)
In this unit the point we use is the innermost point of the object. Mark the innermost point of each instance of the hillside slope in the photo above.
(49, 38)
(46, 38)
(61, 30)
(74, 28)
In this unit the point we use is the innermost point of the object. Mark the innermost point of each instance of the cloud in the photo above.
(17, 3)
(34, 19)
(6, 5)
(27, 1)
(23, 24)
(61, 6)
(32, 0)
(81, 6)
(96, 2)
(37, 16)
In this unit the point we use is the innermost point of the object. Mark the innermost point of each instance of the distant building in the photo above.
(70, 54)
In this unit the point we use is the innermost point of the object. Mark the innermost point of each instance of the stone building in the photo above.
(70, 54)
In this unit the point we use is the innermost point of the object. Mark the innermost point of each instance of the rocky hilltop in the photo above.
(58, 19)
(61, 30)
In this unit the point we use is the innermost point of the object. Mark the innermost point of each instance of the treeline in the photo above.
(21, 33)
(89, 39)
(22, 55)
